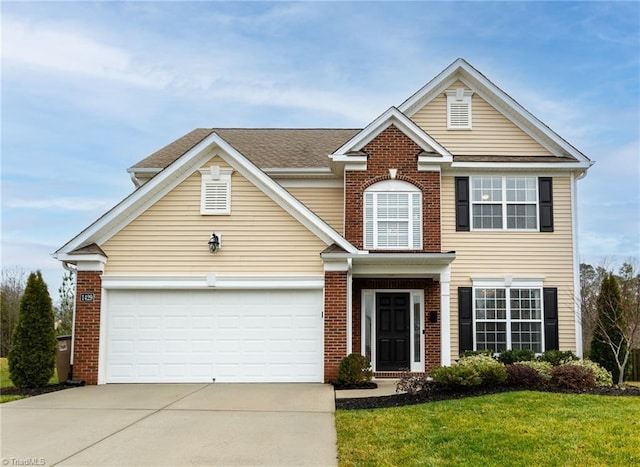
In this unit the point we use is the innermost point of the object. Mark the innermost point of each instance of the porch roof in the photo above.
(388, 264)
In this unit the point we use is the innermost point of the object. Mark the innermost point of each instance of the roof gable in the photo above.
(349, 152)
(174, 174)
(460, 70)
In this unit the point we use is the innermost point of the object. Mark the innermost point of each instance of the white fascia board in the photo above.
(141, 199)
(391, 117)
(281, 196)
(213, 281)
(422, 96)
(145, 170)
(365, 257)
(500, 100)
(520, 116)
(151, 192)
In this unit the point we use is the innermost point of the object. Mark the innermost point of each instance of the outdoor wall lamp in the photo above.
(214, 243)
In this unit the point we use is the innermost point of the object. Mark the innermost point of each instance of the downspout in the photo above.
(576, 262)
(73, 270)
(349, 306)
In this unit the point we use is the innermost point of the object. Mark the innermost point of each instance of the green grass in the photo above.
(516, 429)
(5, 381)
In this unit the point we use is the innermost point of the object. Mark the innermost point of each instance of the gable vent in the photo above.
(459, 114)
(459, 109)
(215, 198)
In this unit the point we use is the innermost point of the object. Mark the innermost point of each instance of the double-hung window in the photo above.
(393, 216)
(504, 203)
(508, 318)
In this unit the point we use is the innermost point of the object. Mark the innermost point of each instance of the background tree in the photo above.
(590, 280)
(629, 280)
(11, 290)
(616, 322)
(64, 310)
(33, 349)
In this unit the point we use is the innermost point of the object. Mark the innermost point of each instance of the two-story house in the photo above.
(446, 224)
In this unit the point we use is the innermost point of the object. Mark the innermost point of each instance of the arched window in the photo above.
(393, 216)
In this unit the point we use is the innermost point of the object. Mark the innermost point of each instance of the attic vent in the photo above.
(216, 191)
(459, 109)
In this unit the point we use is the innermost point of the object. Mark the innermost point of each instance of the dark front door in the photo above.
(392, 331)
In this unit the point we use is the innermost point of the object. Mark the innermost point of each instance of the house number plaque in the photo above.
(86, 297)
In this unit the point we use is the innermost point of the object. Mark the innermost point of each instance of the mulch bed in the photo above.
(34, 391)
(434, 394)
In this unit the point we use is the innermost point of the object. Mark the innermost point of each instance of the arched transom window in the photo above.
(393, 216)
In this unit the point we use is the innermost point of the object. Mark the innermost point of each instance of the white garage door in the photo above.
(199, 335)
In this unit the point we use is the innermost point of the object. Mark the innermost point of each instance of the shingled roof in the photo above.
(265, 147)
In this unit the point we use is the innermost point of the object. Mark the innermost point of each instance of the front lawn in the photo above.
(6, 383)
(515, 428)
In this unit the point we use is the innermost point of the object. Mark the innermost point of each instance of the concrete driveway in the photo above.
(173, 424)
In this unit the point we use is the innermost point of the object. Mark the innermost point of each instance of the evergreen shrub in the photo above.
(32, 355)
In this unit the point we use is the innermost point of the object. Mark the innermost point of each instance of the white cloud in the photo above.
(195, 72)
(70, 52)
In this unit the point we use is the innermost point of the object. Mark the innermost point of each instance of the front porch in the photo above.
(394, 308)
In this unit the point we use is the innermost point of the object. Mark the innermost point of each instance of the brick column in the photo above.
(87, 327)
(335, 322)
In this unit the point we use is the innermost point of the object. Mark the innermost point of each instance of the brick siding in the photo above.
(392, 149)
(335, 322)
(87, 328)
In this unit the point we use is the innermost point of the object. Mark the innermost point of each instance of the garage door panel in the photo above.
(195, 336)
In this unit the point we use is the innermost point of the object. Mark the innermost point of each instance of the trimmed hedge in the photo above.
(354, 369)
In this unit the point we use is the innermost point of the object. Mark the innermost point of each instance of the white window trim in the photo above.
(218, 175)
(460, 95)
(504, 203)
(417, 367)
(386, 187)
(508, 283)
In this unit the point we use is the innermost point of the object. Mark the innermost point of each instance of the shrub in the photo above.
(542, 368)
(354, 369)
(456, 376)
(512, 356)
(33, 346)
(491, 371)
(558, 357)
(414, 383)
(571, 376)
(473, 353)
(523, 376)
(603, 376)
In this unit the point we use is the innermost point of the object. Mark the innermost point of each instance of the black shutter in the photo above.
(465, 321)
(545, 197)
(550, 318)
(462, 204)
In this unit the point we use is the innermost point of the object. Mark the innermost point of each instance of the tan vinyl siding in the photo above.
(519, 254)
(171, 237)
(492, 133)
(327, 203)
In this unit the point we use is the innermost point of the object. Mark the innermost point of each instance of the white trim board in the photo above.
(149, 193)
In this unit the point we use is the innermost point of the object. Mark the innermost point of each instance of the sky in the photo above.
(88, 89)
